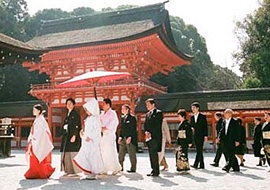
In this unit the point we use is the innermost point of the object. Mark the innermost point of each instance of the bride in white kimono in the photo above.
(89, 158)
(109, 153)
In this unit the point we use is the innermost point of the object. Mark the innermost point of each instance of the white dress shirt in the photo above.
(227, 121)
(196, 117)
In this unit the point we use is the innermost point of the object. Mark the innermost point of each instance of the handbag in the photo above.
(262, 151)
(182, 134)
(267, 150)
(266, 134)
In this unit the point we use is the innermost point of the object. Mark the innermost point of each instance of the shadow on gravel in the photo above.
(221, 173)
(32, 183)
(187, 174)
(10, 165)
(251, 176)
(133, 176)
(164, 182)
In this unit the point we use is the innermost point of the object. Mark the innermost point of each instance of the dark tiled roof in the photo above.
(11, 43)
(14, 51)
(212, 100)
(156, 13)
(103, 27)
(18, 109)
(83, 36)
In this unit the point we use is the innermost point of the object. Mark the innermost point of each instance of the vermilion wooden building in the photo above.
(138, 41)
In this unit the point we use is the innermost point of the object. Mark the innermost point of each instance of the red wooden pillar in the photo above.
(213, 126)
(19, 134)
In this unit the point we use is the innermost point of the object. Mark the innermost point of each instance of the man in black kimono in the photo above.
(71, 141)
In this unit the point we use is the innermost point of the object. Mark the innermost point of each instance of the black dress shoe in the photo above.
(153, 175)
(214, 164)
(236, 170)
(182, 170)
(131, 171)
(150, 174)
(226, 169)
(195, 167)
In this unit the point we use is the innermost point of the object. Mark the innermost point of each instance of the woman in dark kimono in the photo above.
(257, 143)
(71, 141)
(184, 140)
(241, 149)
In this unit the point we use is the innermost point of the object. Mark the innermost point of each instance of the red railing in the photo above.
(138, 82)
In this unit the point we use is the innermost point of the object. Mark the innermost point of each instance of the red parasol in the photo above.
(93, 77)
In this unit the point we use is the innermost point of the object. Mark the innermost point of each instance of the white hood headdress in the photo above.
(92, 106)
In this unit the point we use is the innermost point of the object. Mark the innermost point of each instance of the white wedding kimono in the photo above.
(109, 153)
(89, 158)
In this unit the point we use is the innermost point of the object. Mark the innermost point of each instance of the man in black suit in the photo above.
(199, 124)
(230, 136)
(266, 136)
(153, 134)
(220, 145)
(128, 138)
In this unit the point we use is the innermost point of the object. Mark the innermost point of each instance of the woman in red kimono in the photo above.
(39, 148)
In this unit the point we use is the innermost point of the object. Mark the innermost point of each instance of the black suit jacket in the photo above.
(219, 126)
(200, 128)
(73, 121)
(232, 135)
(129, 128)
(258, 134)
(153, 124)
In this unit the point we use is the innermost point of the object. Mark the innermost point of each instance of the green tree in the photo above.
(82, 11)
(251, 82)
(254, 37)
(34, 23)
(15, 82)
(119, 8)
(202, 74)
(12, 16)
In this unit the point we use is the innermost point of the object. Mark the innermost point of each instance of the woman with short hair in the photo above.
(184, 141)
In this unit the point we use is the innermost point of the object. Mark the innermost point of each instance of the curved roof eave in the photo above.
(10, 43)
(158, 30)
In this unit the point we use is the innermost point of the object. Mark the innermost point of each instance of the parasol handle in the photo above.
(95, 93)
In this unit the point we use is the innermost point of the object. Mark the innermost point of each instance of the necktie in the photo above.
(125, 118)
(150, 114)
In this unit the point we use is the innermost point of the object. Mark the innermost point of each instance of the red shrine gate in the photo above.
(142, 54)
